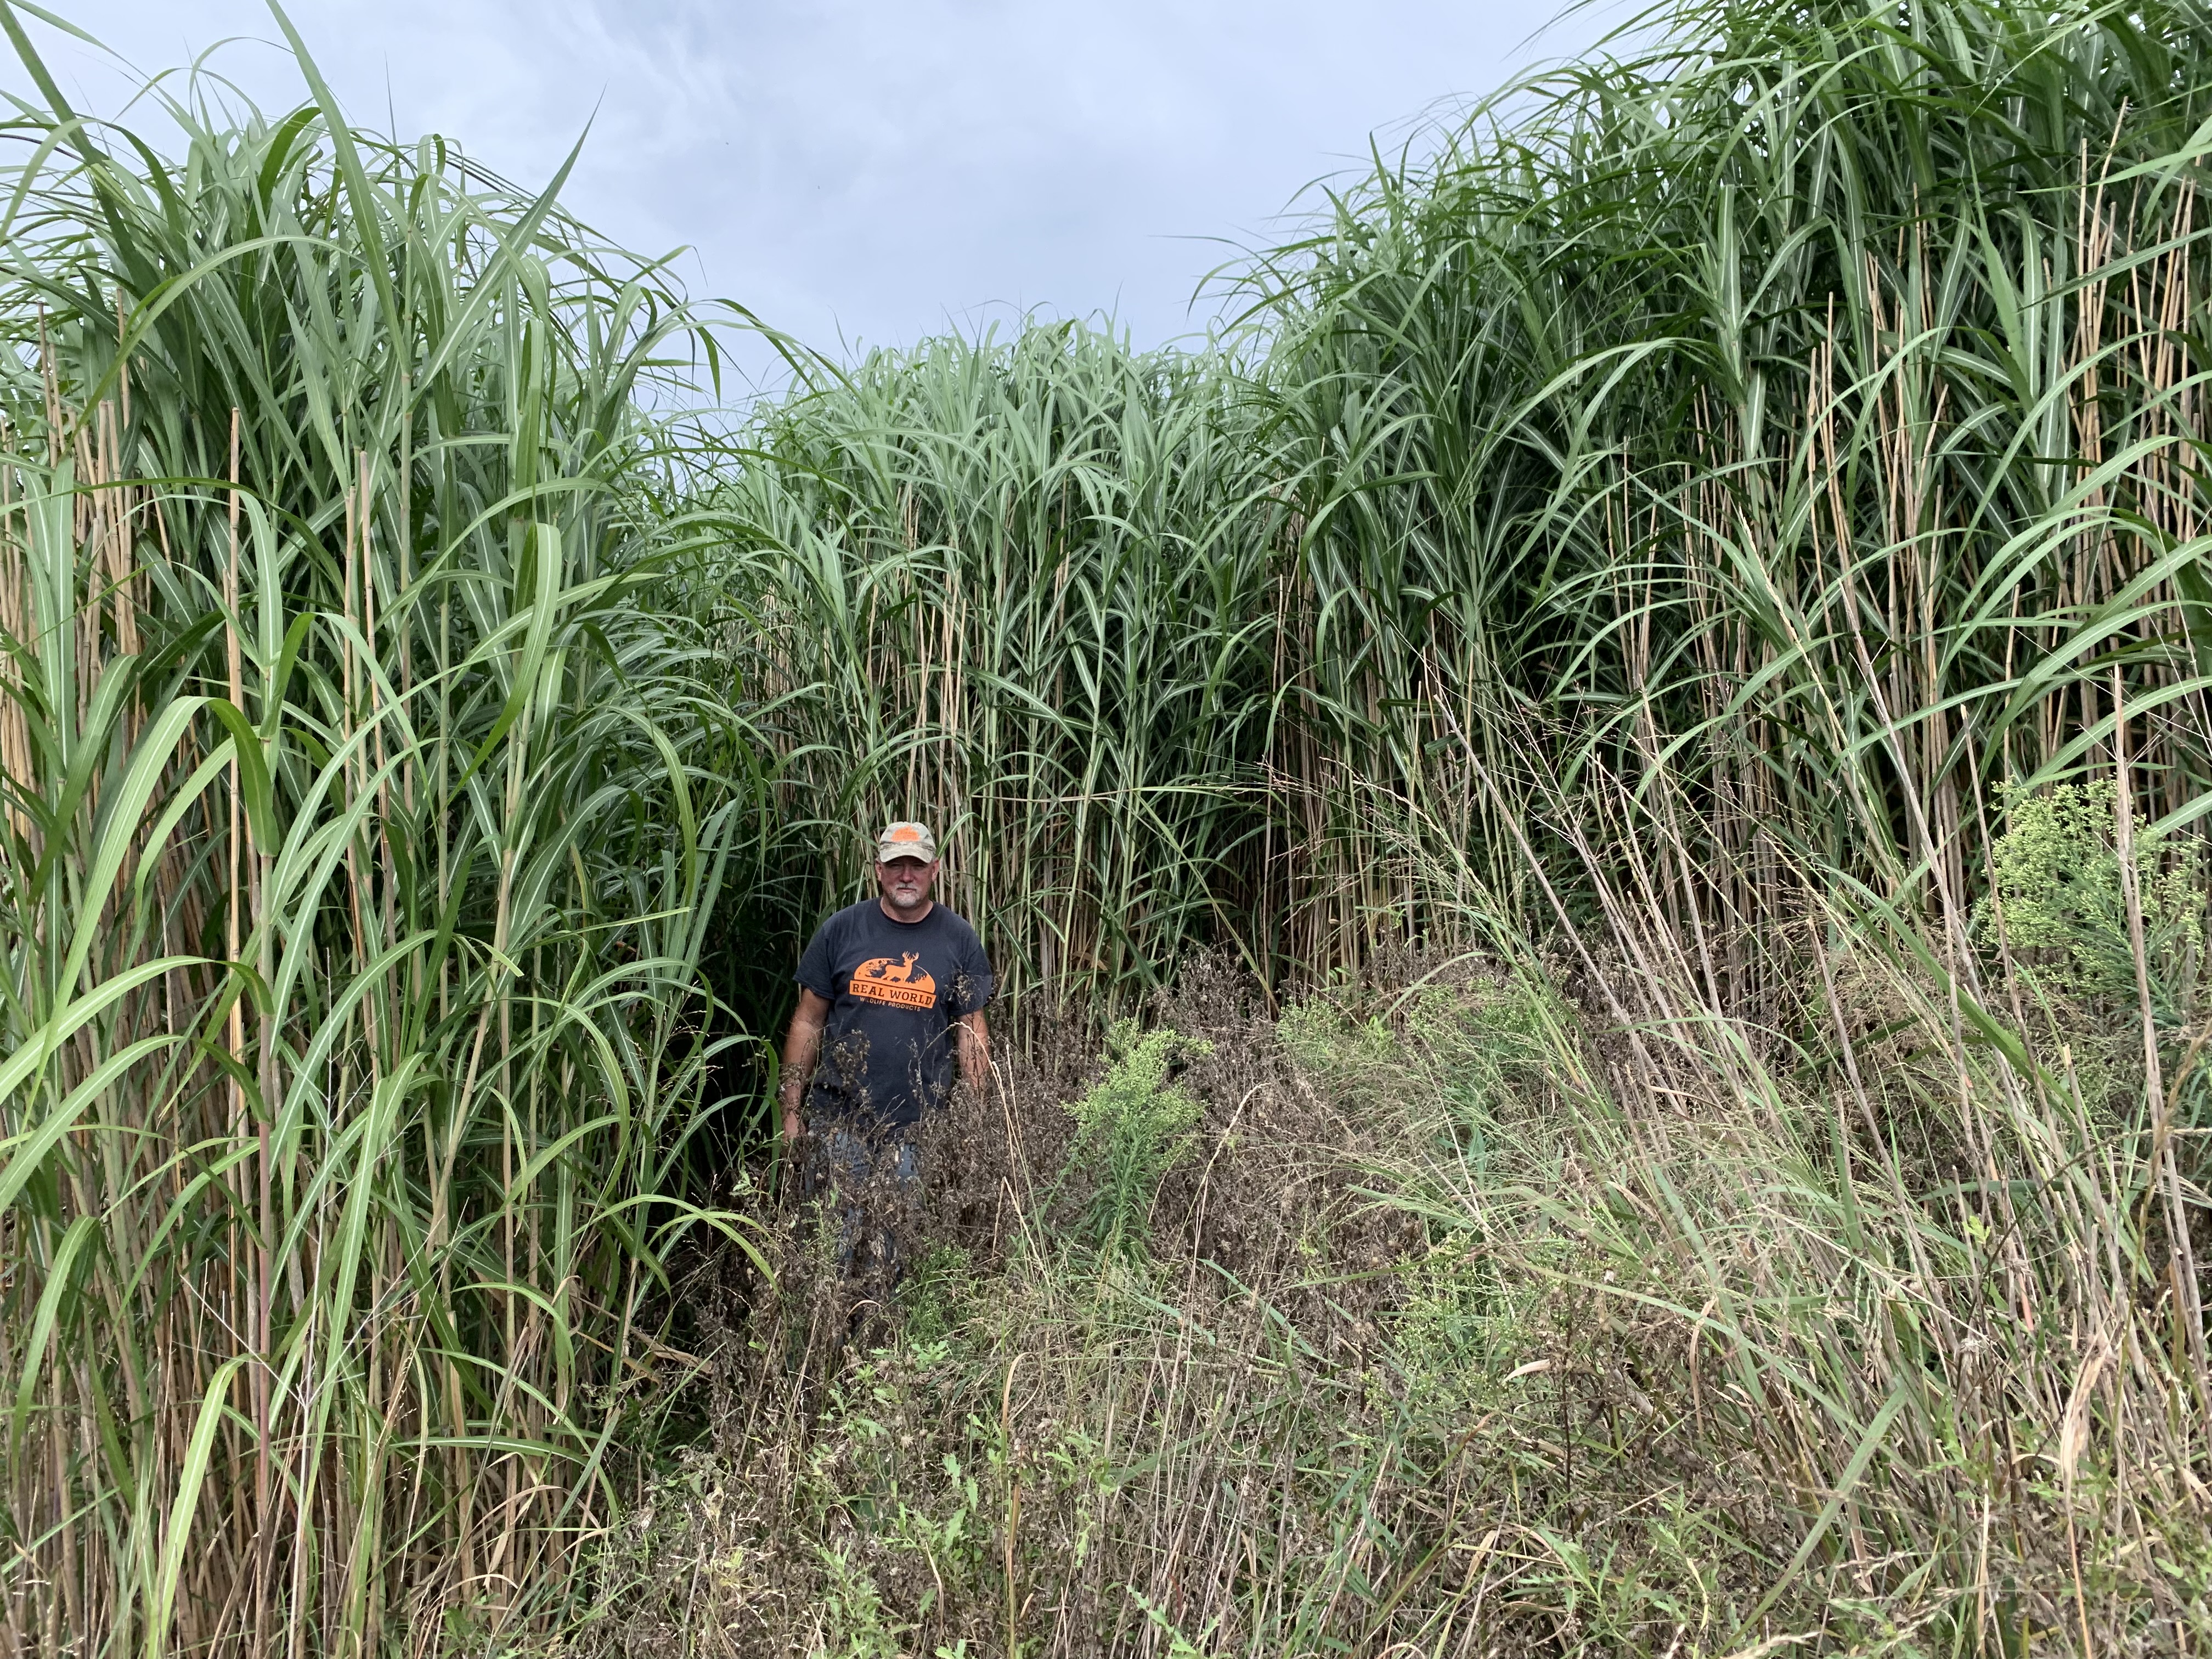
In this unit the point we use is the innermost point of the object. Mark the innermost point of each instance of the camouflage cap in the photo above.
(906, 840)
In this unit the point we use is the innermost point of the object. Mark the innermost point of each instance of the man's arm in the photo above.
(975, 1052)
(802, 1045)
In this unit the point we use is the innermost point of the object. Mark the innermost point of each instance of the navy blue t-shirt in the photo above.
(894, 988)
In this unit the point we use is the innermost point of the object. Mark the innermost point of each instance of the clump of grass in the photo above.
(361, 796)
(938, 1293)
(1321, 1038)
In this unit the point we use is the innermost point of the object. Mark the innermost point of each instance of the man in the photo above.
(892, 993)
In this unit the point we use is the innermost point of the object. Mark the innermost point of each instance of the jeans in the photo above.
(876, 1177)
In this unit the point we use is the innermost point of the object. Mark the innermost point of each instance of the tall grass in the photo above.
(1716, 538)
(1008, 586)
(1793, 417)
(1720, 533)
(360, 824)
(1484, 1319)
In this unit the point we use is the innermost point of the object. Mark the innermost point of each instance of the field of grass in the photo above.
(1592, 820)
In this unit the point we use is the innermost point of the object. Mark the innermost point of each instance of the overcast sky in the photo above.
(873, 170)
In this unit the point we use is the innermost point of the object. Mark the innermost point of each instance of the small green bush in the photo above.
(1342, 1054)
(1131, 1129)
(2055, 878)
(1456, 1328)
(937, 1294)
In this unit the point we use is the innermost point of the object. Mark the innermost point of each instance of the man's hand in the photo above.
(974, 1039)
(802, 1044)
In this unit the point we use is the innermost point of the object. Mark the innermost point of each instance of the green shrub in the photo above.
(1341, 1054)
(853, 1622)
(1455, 1329)
(1474, 1046)
(1131, 1129)
(937, 1294)
(2056, 885)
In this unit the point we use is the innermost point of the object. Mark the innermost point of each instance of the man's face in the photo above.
(905, 882)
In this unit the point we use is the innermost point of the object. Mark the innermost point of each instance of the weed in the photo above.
(2056, 894)
(1131, 1129)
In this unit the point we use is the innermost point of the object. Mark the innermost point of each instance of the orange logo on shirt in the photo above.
(904, 985)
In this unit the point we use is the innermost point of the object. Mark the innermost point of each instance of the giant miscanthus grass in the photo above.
(358, 825)
(1788, 420)
(1673, 512)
